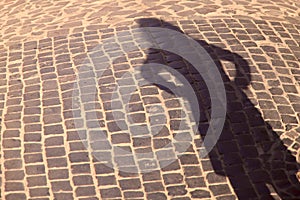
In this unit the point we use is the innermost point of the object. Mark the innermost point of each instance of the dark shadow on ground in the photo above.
(249, 152)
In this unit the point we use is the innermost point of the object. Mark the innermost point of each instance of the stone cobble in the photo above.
(53, 102)
(25, 21)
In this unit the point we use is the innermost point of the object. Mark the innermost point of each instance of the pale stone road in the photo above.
(53, 103)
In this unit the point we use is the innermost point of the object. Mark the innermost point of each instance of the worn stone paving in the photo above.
(53, 103)
(23, 20)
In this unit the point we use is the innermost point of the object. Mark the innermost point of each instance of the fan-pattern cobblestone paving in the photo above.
(50, 148)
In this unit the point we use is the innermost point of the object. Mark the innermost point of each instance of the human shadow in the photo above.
(248, 151)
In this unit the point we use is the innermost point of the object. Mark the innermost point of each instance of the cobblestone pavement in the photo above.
(50, 147)
(23, 20)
